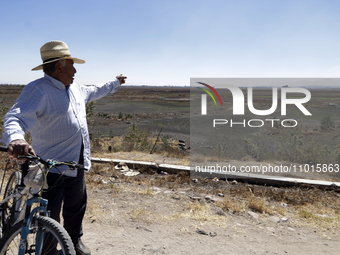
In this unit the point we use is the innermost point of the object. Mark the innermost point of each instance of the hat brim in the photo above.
(75, 60)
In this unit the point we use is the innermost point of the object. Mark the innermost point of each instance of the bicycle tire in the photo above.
(9, 209)
(54, 233)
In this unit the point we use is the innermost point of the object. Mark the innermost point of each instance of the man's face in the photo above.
(67, 72)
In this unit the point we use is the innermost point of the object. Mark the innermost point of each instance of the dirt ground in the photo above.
(126, 216)
(131, 223)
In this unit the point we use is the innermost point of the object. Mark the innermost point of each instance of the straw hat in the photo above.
(54, 51)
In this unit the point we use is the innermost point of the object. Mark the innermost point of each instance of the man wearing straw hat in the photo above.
(52, 109)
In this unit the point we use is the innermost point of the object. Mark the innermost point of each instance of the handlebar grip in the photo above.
(28, 156)
(3, 148)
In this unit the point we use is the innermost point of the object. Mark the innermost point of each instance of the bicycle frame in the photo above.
(28, 221)
(28, 215)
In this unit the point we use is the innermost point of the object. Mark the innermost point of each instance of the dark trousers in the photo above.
(71, 191)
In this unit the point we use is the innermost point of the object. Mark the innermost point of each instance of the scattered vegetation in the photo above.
(90, 107)
(292, 146)
(133, 140)
(138, 140)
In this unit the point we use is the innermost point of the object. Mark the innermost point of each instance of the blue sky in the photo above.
(167, 42)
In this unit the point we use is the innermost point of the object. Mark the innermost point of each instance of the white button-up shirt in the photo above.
(55, 116)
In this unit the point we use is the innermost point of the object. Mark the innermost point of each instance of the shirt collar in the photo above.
(55, 82)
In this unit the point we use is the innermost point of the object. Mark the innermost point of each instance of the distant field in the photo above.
(150, 107)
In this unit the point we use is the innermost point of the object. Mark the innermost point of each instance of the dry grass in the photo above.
(161, 158)
(259, 205)
(109, 147)
(146, 191)
(144, 215)
(174, 152)
(312, 206)
(230, 204)
(201, 212)
(323, 217)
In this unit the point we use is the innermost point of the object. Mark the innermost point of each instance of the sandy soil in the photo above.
(126, 218)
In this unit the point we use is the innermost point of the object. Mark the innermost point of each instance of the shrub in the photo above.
(255, 149)
(128, 116)
(166, 142)
(290, 146)
(326, 123)
(120, 115)
(136, 139)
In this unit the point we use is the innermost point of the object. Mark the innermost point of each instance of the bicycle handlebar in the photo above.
(47, 163)
(3, 148)
(52, 163)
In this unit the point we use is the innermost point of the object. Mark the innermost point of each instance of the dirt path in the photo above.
(126, 218)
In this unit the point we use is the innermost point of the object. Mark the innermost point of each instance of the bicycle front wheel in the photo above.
(11, 209)
(55, 239)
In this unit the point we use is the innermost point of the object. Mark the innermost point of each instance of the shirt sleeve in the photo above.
(94, 92)
(22, 116)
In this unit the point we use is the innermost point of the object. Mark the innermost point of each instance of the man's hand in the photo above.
(19, 147)
(121, 78)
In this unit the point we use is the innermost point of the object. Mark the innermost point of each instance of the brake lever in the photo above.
(75, 165)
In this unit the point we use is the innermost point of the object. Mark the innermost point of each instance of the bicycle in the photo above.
(27, 229)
